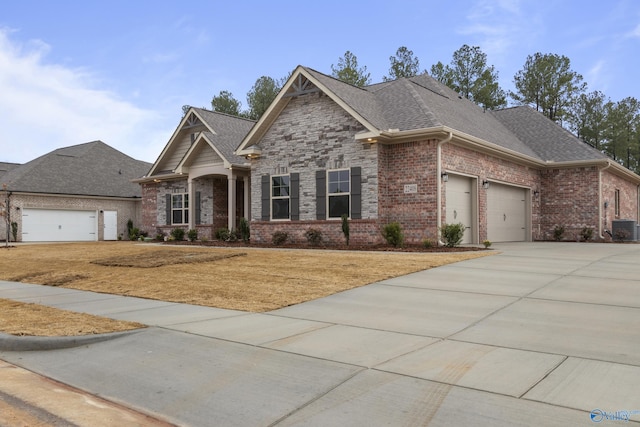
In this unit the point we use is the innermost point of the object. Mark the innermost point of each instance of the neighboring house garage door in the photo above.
(57, 225)
(459, 204)
(506, 213)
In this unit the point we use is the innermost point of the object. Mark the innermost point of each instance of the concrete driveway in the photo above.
(541, 334)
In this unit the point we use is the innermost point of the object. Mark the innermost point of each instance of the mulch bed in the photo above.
(377, 248)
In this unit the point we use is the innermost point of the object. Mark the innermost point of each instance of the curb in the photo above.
(38, 343)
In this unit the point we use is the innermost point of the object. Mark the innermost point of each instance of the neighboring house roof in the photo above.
(90, 169)
(6, 167)
(421, 106)
(223, 131)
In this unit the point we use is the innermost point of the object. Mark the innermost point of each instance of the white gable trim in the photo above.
(281, 101)
(174, 138)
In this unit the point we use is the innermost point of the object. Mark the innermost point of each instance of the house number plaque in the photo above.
(410, 188)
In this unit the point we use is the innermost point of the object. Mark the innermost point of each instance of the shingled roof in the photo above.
(423, 103)
(89, 169)
(229, 131)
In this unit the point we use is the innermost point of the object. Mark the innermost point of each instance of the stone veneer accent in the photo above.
(313, 133)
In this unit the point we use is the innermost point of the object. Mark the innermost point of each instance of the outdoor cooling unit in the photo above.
(624, 229)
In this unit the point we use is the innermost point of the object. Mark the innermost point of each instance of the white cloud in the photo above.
(46, 106)
(635, 33)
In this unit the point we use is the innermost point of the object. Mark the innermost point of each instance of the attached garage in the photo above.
(460, 204)
(506, 213)
(58, 225)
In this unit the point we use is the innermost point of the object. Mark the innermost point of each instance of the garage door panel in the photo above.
(57, 225)
(506, 213)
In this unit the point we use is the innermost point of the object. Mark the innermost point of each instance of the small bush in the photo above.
(345, 227)
(177, 234)
(192, 235)
(14, 231)
(487, 244)
(428, 243)
(279, 237)
(243, 229)
(134, 233)
(452, 234)
(222, 234)
(233, 236)
(586, 234)
(314, 236)
(129, 227)
(393, 235)
(160, 237)
(558, 232)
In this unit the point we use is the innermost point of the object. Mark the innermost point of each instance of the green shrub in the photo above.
(345, 227)
(129, 227)
(160, 237)
(428, 243)
(244, 230)
(314, 236)
(192, 235)
(487, 244)
(558, 232)
(222, 234)
(177, 234)
(393, 235)
(279, 237)
(586, 234)
(134, 233)
(14, 231)
(452, 234)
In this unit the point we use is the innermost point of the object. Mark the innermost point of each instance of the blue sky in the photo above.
(120, 71)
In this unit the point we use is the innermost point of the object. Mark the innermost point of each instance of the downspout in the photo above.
(439, 184)
(600, 201)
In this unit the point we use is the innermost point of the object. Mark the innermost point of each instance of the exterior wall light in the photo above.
(444, 176)
(485, 184)
(536, 193)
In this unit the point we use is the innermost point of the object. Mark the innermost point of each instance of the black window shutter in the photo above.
(321, 194)
(294, 196)
(266, 197)
(168, 208)
(356, 193)
(198, 209)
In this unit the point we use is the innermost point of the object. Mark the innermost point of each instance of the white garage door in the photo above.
(459, 204)
(506, 213)
(53, 225)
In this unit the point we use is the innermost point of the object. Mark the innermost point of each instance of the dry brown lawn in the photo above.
(246, 279)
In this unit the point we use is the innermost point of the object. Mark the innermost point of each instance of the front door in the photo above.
(459, 204)
(110, 225)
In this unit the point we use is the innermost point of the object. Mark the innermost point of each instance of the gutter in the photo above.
(600, 202)
(439, 184)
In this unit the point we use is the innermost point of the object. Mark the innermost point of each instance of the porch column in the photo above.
(192, 199)
(231, 209)
(247, 201)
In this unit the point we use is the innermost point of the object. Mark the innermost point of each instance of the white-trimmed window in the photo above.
(180, 208)
(338, 193)
(280, 197)
(617, 203)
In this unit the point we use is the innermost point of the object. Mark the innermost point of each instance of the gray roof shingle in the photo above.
(89, 169)
(229, 132)
(550, 141)
(422, 102)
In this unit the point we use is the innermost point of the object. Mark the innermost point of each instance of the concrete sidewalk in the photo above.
(542, 334)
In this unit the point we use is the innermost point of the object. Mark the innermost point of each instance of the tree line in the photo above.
(545, 82)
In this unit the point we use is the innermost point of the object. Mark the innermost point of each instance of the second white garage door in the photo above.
(506, 213)
(57, 225)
